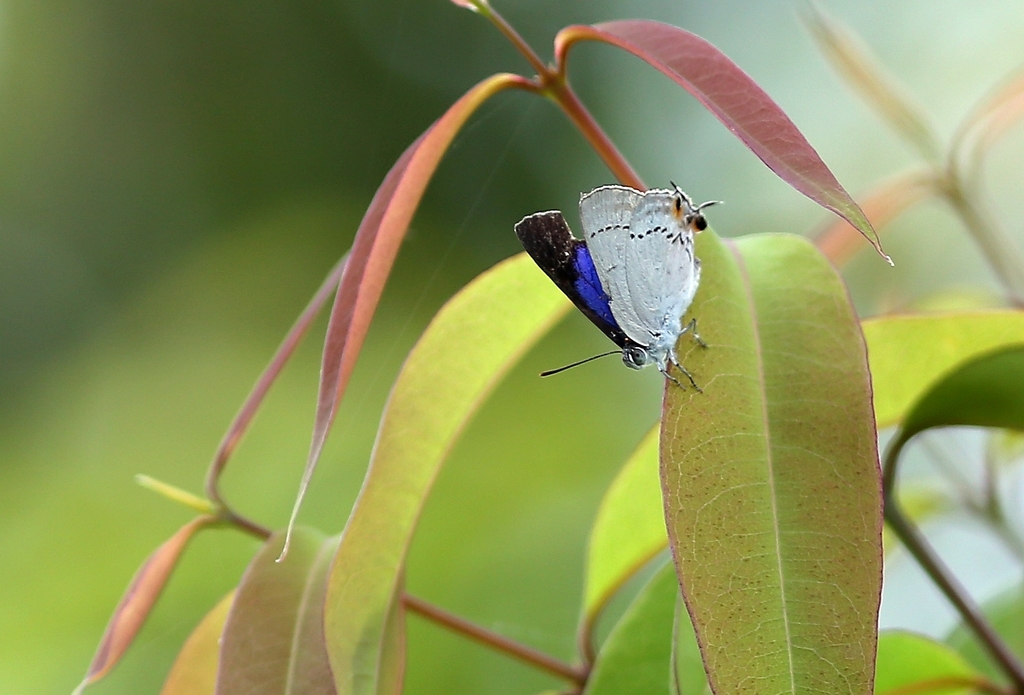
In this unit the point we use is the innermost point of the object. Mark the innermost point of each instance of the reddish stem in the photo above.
(501, 643)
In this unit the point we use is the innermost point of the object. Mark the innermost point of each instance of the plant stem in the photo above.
(563, 95)
(498, 642)
(484, 8)
(999, 249)
(915, 542)
(926, 556)
(553, 84)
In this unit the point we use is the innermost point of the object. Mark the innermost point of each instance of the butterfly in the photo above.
(633, 274)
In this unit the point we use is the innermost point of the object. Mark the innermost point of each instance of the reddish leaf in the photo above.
(839, 241)
(373, 253)
(138, 601)
(273, 641)
(266, 380)
(735, 99)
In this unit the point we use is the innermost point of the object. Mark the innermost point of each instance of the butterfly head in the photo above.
(689, 214)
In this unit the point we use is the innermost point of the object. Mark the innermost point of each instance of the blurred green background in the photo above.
(176, 178)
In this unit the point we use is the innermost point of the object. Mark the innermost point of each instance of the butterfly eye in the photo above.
(635, 357)
(700, 223)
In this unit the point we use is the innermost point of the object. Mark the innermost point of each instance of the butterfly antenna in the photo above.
(576, 364)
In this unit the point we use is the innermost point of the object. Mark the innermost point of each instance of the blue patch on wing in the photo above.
(588, 285)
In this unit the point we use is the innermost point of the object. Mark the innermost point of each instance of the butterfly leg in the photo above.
(675, 361)
(691, 328)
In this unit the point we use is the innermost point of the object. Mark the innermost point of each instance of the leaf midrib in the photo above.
(747, 289)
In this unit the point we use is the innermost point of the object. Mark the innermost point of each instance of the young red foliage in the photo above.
(138, 601)
(734, 98)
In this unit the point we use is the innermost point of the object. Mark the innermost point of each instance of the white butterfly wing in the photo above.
(661, 271)
(606, 213)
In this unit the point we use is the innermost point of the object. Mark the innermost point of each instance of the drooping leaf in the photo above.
(373, 253)
(138, 600)
(910, 353)
(910, 663)
(273, 640)
(493, 320)
(284, 352)
(1005, 614)
(629, 529)
(636, 657)
(195, 669)
(839, 241)
(986, 391)
(770, 474)
(735, 99)
(854, 61)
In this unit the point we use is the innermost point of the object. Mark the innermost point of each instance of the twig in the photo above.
(498, 642)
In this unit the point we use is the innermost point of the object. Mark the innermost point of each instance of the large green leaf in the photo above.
(910, 353)
(472, 342)
(636, 658)
(629, 529)
(195, 668)
(914, 663)
(770, 474)
(273, 640)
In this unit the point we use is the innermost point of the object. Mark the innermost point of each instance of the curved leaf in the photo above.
(373, 253)
(636, 658)
(986, 391)
(735, 99)
(629, 529)
(493, 320)
(909, 353)
(138, 600)
(259, 391)
(858, 66)
(195, 669)
(770, 475)
(839, 241)
(273, 640)
(909, 663)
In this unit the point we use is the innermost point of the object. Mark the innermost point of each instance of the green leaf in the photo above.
(629, 529)
(468, 347)
(195, 669)
(986, 391)
(687, 662)
(910, 353)
(770, 474)
(1005, 613)
(914, 663)
(273, 641)
(636, 657)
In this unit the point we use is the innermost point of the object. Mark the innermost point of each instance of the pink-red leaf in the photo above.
(138, 601)
(839, 241)
(735, 99)
(373, 253)
(259, 391)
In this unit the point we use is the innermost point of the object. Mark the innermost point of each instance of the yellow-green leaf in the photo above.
(629, 529)
(471, 343)
(910, 353)
(770, 474)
